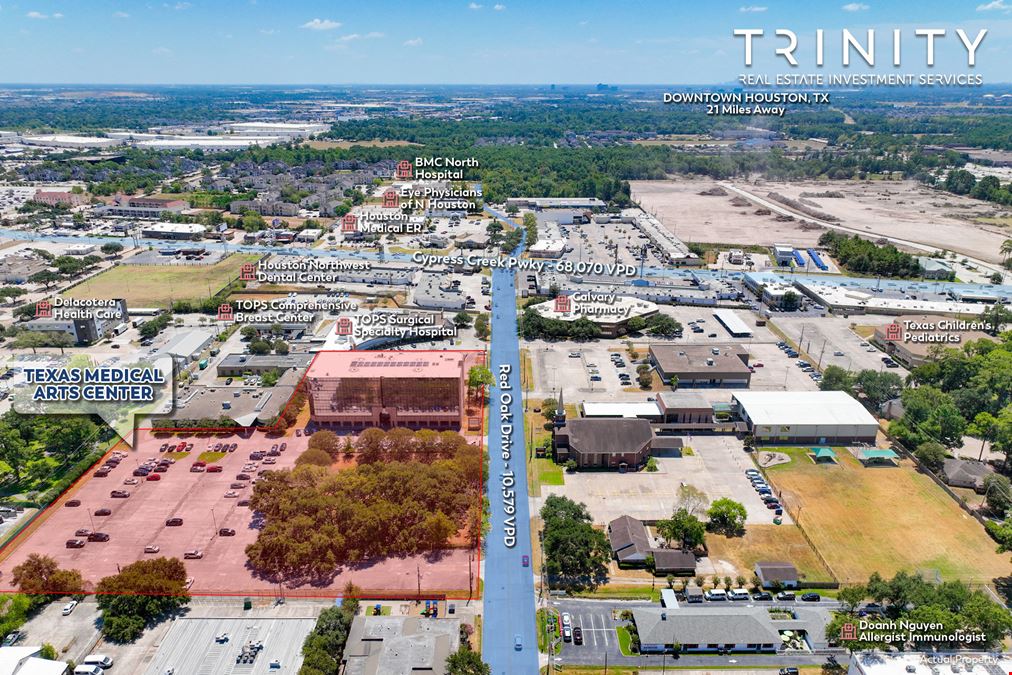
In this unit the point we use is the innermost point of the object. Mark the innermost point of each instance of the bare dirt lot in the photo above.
(692, 216)
(199, 499)
(903, 209)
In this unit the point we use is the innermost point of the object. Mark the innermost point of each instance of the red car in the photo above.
(181, 447)
(154, 476)
(214, 468)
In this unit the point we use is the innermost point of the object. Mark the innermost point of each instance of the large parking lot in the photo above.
(832, 338)
(716, 466)
(206, 503)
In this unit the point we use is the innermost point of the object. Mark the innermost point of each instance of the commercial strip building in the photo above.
(732, 323)
(713, 629)
(399, 645)
(542, 203)
(175, 231)
(611, 313)
(822, 417)
(236, 365)
(356, 390)
(702, 365)
(264, 207)
(150, 208)
(52, 198)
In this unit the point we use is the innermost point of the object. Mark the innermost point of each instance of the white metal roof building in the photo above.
(731, 321)
(644, 409)
(823, 417)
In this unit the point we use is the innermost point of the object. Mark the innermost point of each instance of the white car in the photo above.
(567, 619)
(69, 607)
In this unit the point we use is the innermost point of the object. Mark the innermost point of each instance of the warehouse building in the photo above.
(235, 365)
(821, 417)
(732, 323)
(702, 365)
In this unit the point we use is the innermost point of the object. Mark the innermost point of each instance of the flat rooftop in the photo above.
(694, 358)
(788, 408)
(190, 646)
(368, 365)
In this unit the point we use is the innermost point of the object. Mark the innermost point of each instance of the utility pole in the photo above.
(823, 351)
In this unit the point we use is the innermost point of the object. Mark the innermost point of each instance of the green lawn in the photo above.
(159, 285)
(210, 456)
(624, 641)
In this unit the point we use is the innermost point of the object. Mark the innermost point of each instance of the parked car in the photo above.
(119, 494)
(69, 607)
(75, 543)
(577, 636)
(174, 522)
(73, 503)
(214, 468)
(785, 595)
(226, 532)
(567, 634)
(152, 548)
(788, 671)
(98, 536)
(231, 494)
(762, 596)
(103, 512)
(195, 554)
(810, 597)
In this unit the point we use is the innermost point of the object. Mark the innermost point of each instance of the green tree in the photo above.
(999, 493)
(466, 662)
(931, 454)
(327, 441)
(46, 277)
(14, 451)
(790, 302)
(314, 456)
(112, 248)
(683, 529)
(576, 554)
(281, 347)
(48, 652)
(851, 596)
(40, 575)
(549, 409)
(248, 333)
(139, 595)
(727, 516)
(878, 387)
(835, 378)
(259, 347)
(461, 319)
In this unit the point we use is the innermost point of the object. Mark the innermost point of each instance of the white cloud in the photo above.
(267, 31)
(995, 5)
(855, 7)
(474, 5)
(752, 9)
(582, 23)
(321, 24)
(120, 15)
(358, 36)
(161, 51)
(182, 5)
(40, 16)
(413, 42)
(499, 7)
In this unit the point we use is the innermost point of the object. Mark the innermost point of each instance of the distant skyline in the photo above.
(454, 42)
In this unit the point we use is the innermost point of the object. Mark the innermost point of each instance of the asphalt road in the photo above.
(509, 586)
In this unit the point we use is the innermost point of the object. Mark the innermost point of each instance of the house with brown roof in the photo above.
(776, 573)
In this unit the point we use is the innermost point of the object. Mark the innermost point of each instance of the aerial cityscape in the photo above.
(661, 337)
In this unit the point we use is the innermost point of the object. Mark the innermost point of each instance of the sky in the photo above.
(668, 42)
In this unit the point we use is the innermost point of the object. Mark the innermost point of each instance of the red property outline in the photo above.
(26, 530)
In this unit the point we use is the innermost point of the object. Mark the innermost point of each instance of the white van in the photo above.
(716, 595)
(87, 670)
(739, 594)
(100, 660)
